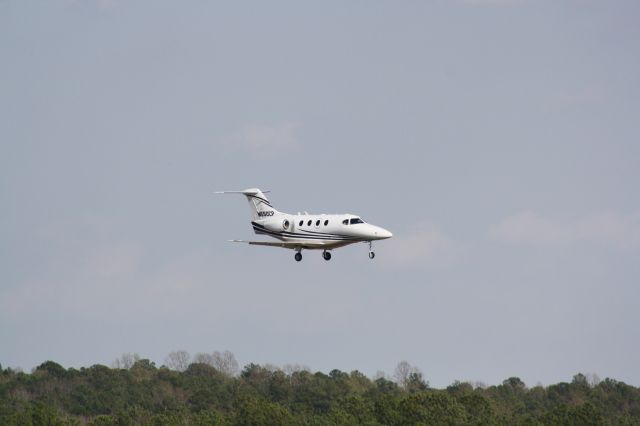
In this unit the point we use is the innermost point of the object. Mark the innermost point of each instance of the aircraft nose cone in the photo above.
(383, 233)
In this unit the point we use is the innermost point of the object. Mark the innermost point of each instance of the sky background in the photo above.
(497, 139)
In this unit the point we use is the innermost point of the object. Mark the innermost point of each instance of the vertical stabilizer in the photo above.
(260, 207)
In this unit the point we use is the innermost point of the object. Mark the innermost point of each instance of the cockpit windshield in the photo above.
(352, 221)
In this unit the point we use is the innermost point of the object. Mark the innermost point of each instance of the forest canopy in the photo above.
(210, 389)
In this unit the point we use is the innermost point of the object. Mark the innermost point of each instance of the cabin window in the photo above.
(318, 222)
(326, 222)
(301, 222)
(309, 223)
(356, 220)
(345, 222)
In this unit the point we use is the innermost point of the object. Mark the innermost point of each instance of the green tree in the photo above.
(252, 411)
(52, 369)
(478, 407)
(415, 382)
(432, 407)
(104, 420)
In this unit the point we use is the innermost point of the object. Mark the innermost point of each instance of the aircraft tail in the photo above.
(260, 207)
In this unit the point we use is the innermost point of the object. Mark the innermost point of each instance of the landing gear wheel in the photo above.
(371, 253)
(326, 255)
(298, 257)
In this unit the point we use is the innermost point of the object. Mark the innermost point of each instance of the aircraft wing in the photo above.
(283, 244)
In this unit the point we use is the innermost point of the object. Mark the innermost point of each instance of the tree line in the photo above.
(210, 389)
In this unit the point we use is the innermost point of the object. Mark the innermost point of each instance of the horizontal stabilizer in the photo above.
(258, 203)
(245, 192)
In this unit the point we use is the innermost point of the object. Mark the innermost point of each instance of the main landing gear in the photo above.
(325, 254)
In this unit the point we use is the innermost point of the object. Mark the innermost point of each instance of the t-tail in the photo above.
(260, 207)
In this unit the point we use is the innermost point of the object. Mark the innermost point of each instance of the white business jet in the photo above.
(307, 231)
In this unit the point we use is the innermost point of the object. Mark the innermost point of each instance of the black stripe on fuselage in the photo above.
(262, 230)
(282, 236)
(302, 236)
(322, 233)
(310, 233)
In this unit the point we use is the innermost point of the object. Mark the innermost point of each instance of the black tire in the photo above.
(326, 255)
(298, 257)
(371, 255)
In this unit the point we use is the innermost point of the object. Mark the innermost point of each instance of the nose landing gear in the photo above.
(298, 256)
(371, 253)
(326, 255)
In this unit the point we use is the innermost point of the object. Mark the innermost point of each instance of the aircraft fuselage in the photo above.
(325, 231)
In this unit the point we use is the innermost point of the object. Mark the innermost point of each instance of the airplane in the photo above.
(307, 231)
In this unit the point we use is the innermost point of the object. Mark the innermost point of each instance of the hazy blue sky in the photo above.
(497, 139)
